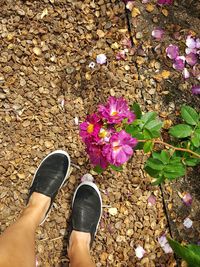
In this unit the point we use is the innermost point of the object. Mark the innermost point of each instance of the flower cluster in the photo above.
(188, 64)
(102, 132)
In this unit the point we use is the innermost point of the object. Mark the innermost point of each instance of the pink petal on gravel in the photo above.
(87, 178)
(164, 244)
(186, 74)
(190, 42)
(196, 89)
(179, 63)
(158, 33)
(187, 199)
(101, 59)
(121, 55)
(191, 59)
(190, 50)
(145, 1)
(139, 251)
(172, 51)
(198, 43)
(188, 223)
(130, 5)
(151, 200)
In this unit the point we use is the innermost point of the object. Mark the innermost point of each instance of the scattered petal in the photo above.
(76, 120)
(196, 71)
(187, 223)
(198, 43)
(145, 1)
(101, 59)
(151, 200)
(87, 178)
(139, 251)
(186, 73)
(130, 5)
(190, 42)
(121, 55)
(165, 2)
(179, 63)
(164, 244)
(196, 89)
(191, 59)
(158, 33)
(113, 211)
(187, 199)
(190, 50)
(92, 65)
(172, 51)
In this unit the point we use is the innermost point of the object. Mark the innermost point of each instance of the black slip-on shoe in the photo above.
(51, 175)
(86, 210)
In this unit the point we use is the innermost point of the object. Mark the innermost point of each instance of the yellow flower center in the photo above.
(102, 133)
(113, 113)
(90, 128)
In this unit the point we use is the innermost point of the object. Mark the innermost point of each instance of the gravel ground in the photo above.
(45, 82)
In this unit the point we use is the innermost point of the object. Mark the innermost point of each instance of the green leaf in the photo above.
(152, 172)
(190, 253)
(172, 171)
(98, 169)
(196, 138)
(191, 162)
(147, 134)
(148, 146)
(116, 168)
(136, 109)
(133, 130)
(155, 164)
(149, 116)
(189, 115)
(181, 130)
(164, 156)
(154, 127)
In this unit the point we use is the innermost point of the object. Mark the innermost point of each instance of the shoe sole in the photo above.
(93, 185)
(66, 176)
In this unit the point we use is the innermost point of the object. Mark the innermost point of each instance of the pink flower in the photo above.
(120, 148)
(179, 63)
(96, 157)
(196, 89)
(165, 2)
(151, 200)
(191, 59)
(90, 128)
(164, 244)
(116, 110)
(158, 33)
(172, 51)
(187, 199)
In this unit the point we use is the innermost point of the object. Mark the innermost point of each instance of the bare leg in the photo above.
(17, 243)
(79, 251)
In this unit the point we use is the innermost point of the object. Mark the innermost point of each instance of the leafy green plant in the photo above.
(190, 253)
(181, 151)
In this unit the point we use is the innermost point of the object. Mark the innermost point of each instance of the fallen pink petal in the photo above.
(190, 50)
(186, 73)
(179, 63)
(139, 251)
(121, 55)
(196, 89)
(130, 5)
(191, 59)
(187, 199)
(101, 59)
(190, 42)
(188, 223)
(151, 200)
(164, 244)
(165, 2)
(172, 51)
(158, 33)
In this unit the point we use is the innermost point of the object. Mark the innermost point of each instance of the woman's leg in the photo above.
(17, 243)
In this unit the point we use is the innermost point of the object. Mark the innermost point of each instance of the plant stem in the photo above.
(173, 147)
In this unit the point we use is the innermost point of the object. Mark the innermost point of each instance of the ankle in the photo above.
(79, 241)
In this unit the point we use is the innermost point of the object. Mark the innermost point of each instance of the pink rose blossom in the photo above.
(172, 51)
(116, 110)
(90, 127)
(96, 157)
(179, 63)
(120, 148)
